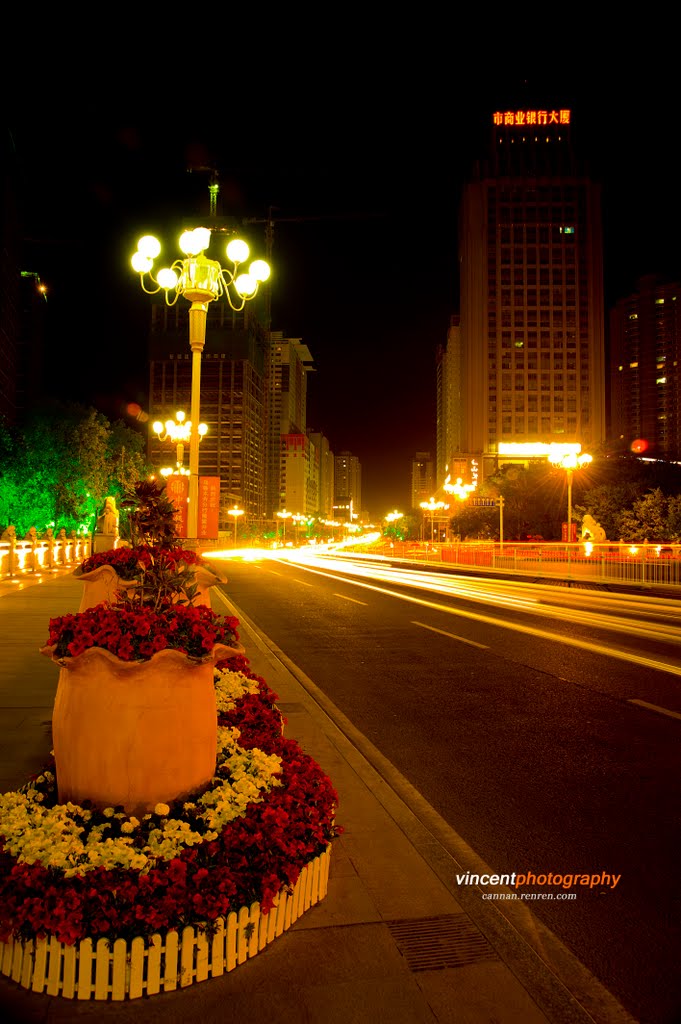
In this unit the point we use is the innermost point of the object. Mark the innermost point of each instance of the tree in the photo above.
(58, 469)
(647, 520)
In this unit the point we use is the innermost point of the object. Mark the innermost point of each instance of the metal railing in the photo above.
(35, 555)
(644, 565)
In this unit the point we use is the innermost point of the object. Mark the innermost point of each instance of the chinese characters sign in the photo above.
(209, 506)
(177, 489)
(530, 118)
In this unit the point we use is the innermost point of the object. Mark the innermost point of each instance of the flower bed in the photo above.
(77, 872)
(136, 631)
(126, 560)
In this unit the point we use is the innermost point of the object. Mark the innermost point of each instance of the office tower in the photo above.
(422, 478)
(347, 500)
(325, 475)
(645, 379)
(232, 398)
(531, 342)
(287, 445)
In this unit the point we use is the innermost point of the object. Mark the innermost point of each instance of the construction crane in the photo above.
(270, 220)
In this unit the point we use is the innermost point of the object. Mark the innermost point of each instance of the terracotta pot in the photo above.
(104, 583)
(135, 733)
(101, 584)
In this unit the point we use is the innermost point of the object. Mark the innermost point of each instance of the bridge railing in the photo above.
(41, 554)
(641, 564)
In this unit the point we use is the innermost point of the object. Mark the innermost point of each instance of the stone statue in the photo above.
(10, 534)
(591, 530)
(106, 533)
(32, 535)
(107, 523)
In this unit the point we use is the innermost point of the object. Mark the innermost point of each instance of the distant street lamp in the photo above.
(178, 431)
(284, 515)
(570, 462)
(433, 506)
(235, 512)
(200, 280)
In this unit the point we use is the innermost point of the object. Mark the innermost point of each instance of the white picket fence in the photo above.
(120, 970)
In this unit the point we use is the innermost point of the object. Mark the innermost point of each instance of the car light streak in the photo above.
(663, 633)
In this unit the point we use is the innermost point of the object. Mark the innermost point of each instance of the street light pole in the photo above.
(200, 280)
(235, 512)
(570, 462)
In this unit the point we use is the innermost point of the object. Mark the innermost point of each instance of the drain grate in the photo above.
(434, 943)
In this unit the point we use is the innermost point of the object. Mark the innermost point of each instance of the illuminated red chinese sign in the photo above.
(177, 489)
(530, 118)
(209, 506)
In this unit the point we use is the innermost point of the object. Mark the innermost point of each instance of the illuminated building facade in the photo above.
(288, 364)
(422, 478)
(325, 475)
(347, 499)
(448, 403)
(645, 376)
(529, 356)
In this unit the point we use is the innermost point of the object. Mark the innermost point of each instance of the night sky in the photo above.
(368, 148)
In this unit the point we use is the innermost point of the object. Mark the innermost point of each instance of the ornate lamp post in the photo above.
(284, 515)
(200, 280)
(235, 512)
(433, 506)
(570, 462)
(178, 431)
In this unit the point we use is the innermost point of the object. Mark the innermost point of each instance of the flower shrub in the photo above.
(135, 632)
(127, 562)
(74, 872)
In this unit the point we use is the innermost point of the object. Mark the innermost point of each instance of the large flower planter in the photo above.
(134, 733)
(104, 584)
(120, 970)
(99, 585)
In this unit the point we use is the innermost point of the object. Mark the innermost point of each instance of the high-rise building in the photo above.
(645, 369)
(422, 478)
(529, 356)
(232, 398)
(347, 499)
(287, 446)
(325, 475)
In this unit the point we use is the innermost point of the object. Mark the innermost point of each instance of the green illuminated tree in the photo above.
(57, 470)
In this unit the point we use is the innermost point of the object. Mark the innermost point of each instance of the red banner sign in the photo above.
(177, 489)
(209, 507)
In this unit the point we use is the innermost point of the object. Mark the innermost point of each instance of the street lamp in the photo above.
(284, 515)
(432, 506)
(236, 512)
(570, 462)
(200, 280)
(178, 432)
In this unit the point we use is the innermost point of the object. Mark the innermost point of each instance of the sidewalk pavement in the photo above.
(390, 944)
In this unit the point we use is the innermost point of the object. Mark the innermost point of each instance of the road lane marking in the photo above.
(655, 707)
(303, 583)
(353, 599)
(540, 634)
(461, 639)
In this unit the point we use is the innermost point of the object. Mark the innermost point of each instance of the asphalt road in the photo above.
(515, 712)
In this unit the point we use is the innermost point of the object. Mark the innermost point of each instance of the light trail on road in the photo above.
(519, 597)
